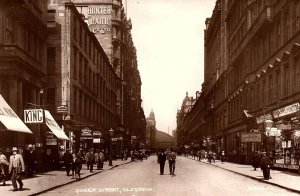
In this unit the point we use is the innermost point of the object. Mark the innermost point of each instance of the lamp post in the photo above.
(268, 125)
(111, 132)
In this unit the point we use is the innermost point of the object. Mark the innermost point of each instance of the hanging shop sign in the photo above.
(96, 140)
(262, 118)
(250, 137)
(51, 142)
(284, 127)
(97, 133)
(286, 110)
(275, 132)
(62, 109)
(33, 116)
(114, 139)
(133, 137)
(86, 134)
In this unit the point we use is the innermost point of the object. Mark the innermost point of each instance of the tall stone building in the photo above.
(23, 34)
(80, 77)
(107, 20)
(259, 82)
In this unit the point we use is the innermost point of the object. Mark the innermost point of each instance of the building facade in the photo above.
(259, 82)
(107, 20)
(80, 77)
(23, 34)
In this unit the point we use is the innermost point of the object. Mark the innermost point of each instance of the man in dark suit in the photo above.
(162, 160)
(30, 160)
(16, 167)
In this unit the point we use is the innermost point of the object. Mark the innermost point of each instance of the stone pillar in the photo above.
(20, 110)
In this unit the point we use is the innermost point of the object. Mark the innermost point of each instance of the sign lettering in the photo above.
(33, 116)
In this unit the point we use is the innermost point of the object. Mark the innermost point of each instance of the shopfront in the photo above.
(11, 126)
(286, 137)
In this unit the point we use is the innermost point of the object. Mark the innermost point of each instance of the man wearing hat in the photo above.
(16, 167)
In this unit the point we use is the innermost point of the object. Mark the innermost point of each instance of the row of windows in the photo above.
(25, 38)
(264, 46)
(281, 82)
(88, 49)
(86, 107)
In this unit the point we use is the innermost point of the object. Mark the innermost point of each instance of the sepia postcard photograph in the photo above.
(150, 97)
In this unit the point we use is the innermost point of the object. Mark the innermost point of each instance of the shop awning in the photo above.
(54, 127)
(9, 119)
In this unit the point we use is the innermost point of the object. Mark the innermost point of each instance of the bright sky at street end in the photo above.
(169, 38)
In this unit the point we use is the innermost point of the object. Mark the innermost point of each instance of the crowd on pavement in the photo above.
(15, 167)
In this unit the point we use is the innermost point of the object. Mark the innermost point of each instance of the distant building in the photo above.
(151, 130)
(163, 140)
(186, 106)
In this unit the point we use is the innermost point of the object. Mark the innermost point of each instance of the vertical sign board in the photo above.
(99, 22)
(34, 116)
(250, 137)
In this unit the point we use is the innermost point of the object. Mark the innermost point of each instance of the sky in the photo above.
(169, 38)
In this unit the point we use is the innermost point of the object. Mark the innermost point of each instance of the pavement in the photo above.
(43, 182)
(283, 179)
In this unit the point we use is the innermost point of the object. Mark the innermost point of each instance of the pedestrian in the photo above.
(161, 160)
(3, 165)
(255, 160)
(97, 159)
(171, 156)
(78, 166)
(73, 166)
(68, 159)
(16, 167)
(265, 165)
(199, 155)
(122, 155)
(90, 159)
(30, 160)
(101, 159)
(223, 156)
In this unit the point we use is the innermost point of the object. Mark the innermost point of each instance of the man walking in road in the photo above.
(16, 167)
(161, 160)
(171, 156)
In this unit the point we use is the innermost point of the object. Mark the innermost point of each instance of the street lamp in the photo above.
(268, 125)
(111, 132)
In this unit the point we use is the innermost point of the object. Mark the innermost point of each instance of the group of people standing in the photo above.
(74, 161)
(169, 155)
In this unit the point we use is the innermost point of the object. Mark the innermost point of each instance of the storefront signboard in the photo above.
(51, 142)
(250, 137)
(278, 165)
(96, 140)
(284, 127)
(262, 118)
(291, 166)
(97, 133)
(114, 139)
(286, 110)
(34, 116)
(86, 134)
